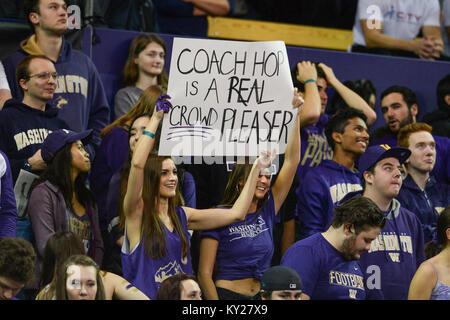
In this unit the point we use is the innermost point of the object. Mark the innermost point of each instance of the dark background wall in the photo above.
(110, 49)
(110, 53)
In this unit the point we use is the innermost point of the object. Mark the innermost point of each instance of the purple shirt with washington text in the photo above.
(246, 247)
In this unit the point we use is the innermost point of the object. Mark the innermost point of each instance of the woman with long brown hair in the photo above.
(156, 242)
(144, 67)
(113, 152)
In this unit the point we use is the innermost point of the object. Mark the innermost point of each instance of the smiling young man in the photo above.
(79, 93)
(327, 262)
(346, 133)
(400, 107)
(17, 262)
(315, 147)
(420, 192)
(398, 250)
(25, 124)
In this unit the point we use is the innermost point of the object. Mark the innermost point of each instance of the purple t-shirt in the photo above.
(246, 247)
(394, 256)
(147, 274)
(325, 274)
(314, 146)
(80, 226)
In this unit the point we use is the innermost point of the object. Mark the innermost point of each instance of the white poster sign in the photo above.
(229, 98)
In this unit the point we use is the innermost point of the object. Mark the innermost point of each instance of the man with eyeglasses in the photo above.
(25, 124)
(397, 252)
(79, 91)
(420, 192)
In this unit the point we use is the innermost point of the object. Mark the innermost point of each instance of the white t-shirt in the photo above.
(3, 81)
(402, 19)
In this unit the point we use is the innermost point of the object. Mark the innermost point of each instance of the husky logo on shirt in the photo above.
(346, 279)
(318, 149)
(29, 137)
(248, 231)
(61, 102)
(340, 190)
(171, 269)
(72, 84)
(393, 244)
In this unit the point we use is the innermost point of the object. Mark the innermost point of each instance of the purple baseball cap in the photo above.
(56, 140)
(379, 152)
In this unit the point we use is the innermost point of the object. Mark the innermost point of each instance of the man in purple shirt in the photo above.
(398, 251)
(17, 262)
(327, 262)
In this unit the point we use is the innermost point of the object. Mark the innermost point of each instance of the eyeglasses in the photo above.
(45, 75)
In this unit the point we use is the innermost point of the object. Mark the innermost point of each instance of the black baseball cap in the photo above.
(281, 278)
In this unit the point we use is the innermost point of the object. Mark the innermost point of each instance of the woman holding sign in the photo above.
(242, 251)
(156, 239)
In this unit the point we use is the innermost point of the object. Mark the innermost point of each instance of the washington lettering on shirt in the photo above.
(340, 190)
(248, 231)
(72, 84)
(317, 150)
(31, 136)
(81, 227)
(346, 279)
(389, 242)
